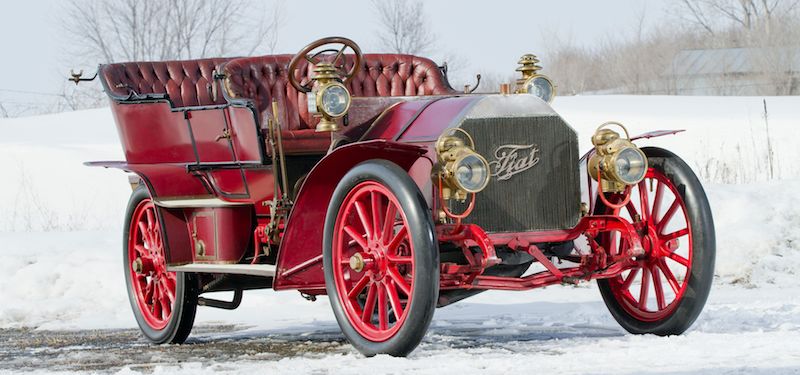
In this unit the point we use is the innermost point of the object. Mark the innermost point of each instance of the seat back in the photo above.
(187, 83)
(263, 79)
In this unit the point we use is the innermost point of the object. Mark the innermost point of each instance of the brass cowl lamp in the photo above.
(329, 100)
(531, 81)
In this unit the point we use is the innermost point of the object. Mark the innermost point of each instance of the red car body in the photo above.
(194, 133)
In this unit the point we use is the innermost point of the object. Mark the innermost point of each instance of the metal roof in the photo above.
(735, 60)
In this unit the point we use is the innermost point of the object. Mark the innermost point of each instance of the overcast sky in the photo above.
(486, 36)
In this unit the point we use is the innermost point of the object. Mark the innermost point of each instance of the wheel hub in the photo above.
(357, 262)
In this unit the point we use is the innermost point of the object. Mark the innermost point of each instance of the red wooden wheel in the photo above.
(153, 287)
(381, 259)
(665, 291)
(651, 291)
(373, 261)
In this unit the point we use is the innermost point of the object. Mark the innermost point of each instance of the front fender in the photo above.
(647, 135)
(299, 263)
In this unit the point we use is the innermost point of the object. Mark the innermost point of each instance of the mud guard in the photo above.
(299, 264)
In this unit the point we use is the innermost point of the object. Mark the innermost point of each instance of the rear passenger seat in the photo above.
(187, 83)
(261, 79)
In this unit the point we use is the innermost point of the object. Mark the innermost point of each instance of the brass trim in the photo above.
(451, 151)
(320, 93)
(196, 203)
(601, 166)
(529, 68)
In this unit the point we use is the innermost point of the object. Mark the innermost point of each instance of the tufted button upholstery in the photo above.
(265, 78)
(187, 83)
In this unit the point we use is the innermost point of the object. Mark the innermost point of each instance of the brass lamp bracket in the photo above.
(528, 66)
(608, 144)
(78, 77)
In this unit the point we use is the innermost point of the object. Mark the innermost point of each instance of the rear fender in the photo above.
(299, 264)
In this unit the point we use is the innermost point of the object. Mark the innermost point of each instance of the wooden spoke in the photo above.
(675, 234)
(151, 220)
(660, 300)
(388, 223)
(657, 202)
(679, 259)
(394, 299)
(645, 289)
(369, 304)
(383, 316)
(398, 238)
(364, 217)
(667, 216)
(143, 232)
(629, 280)
(359, 287)
(399, 281)
(356, 237)
(377, 214)
(671, 280)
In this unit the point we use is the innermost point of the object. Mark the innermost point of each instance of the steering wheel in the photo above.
(319, 57)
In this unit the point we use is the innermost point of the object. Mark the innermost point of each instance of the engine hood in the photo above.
(423, 120)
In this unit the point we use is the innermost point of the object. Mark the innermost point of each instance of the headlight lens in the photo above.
(541, 87)
(471, 173)
(630, 165)
(333, 100)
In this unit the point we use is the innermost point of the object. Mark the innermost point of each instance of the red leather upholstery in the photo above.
(265, 78)
(188, 83)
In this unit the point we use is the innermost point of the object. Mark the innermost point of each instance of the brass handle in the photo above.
(225, 134)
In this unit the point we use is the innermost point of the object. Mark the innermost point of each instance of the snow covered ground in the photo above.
(60, 264)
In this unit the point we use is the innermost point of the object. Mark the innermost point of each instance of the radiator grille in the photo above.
(546, 195)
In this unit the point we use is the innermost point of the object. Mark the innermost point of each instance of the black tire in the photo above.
(701, 274)
(184, 308)
(426, 257)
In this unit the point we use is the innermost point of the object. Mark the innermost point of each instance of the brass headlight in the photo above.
(329, 100)
(462, 169)
(617, 161)
(540, 86)
(531, 81)
(332, 100)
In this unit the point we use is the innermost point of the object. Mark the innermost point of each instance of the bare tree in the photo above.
(113, 30)
(3, 111)
(403, 26)
(744, 14)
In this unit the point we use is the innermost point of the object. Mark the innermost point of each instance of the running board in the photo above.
(265, 270)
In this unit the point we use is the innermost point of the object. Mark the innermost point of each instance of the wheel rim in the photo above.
(373, 261)
(153, 287)
(652, 290)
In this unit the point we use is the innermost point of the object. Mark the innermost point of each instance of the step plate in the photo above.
(265, 270)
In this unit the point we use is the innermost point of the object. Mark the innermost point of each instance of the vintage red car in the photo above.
(368, 178)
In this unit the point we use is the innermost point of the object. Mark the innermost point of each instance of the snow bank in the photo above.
(726, 137)
(45, 185)
(758, 232)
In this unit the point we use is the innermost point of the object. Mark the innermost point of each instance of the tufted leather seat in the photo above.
(187, 83)
(265, 78)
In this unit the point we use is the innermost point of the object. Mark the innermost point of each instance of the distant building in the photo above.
(735, 71)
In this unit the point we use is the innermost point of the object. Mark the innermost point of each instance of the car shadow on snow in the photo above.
(469, 326)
